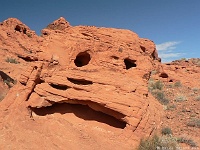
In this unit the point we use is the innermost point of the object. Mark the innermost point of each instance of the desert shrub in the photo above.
(153, 85)
(164, 142)
(194, 122)
(166, 131)
(160, 96)
(171, 107)
(197, 98)
(12, 60)
(153, 72)
(180, 98)
(187, 141)
(177, 84)
(168, 143)
(150, 143)
(195, 89)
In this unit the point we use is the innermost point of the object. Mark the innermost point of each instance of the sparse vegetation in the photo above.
(12, 60)
(189, 142)
(160, 96)
(163, 142)
(177, 84)
(197, 98)
(153, 72)
(194, 122)
(180, 98)
(171, 107)
(150, 143)
(166, 131)
(195, 89)
(155, 87)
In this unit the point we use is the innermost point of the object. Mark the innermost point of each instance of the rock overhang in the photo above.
(99, 67)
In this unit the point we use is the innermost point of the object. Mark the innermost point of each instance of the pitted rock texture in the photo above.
(84, 70)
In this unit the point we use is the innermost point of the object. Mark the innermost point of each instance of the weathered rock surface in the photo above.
(183, 71)
(79, 87)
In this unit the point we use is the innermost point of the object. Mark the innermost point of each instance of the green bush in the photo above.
(166, 131)
(12, 60)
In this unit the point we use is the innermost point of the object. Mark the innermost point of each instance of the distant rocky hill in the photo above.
(81, 87)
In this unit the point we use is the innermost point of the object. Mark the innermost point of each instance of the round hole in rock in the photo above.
(18, 28)
(129, 63)
(163, 75)
(82, 59)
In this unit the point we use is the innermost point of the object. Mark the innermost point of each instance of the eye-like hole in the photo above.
(163, 75)
(129, 63)
(18, 28)
(82, 59)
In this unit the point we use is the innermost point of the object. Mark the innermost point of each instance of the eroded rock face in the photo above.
(180, 71)
(105, 69)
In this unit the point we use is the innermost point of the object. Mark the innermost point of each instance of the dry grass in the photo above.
(180, 98)
(163, 142)
(194, 122)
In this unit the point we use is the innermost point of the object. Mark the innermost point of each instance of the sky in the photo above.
(173, 25)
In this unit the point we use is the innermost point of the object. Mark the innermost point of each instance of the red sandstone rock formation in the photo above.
(78, 87)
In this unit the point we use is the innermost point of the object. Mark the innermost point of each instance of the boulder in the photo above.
(92, 72)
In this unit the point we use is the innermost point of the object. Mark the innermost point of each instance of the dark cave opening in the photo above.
(129, 63)
(82, 59)
(81, 111)
(163, 75)
(20, 29)
(59, 87)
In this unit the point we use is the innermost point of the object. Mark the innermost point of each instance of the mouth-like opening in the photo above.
(81, 111)
(59, 87)
(80, 81)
